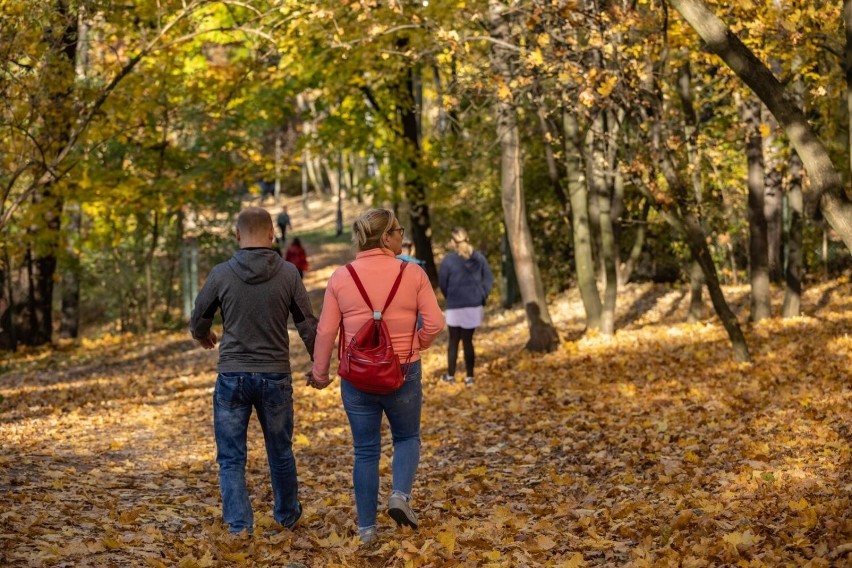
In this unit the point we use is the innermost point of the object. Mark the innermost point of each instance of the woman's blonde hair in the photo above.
(462, 241)
(367, 230)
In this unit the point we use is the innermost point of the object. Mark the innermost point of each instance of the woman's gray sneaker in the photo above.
(367, 535)
(399, 511)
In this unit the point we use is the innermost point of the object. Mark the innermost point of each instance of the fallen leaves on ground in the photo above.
(648, 449)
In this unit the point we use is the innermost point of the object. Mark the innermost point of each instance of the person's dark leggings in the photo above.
(466, 337)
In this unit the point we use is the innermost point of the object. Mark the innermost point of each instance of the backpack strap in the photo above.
(376, 315)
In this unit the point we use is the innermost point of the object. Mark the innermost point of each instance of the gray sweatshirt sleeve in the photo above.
(206, 304)
(303, 316)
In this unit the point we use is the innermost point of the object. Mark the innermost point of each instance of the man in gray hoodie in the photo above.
(256, 291)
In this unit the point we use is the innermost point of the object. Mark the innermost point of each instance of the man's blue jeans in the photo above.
(271, 394)
(365, 419)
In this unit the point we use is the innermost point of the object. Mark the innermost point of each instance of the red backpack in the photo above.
(368, 362)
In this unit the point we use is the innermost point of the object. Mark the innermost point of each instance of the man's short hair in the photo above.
(254, 221)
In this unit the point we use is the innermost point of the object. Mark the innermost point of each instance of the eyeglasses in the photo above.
(400, 229)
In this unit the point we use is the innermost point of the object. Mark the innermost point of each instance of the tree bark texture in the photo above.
(601, 176)
(847, 69)
(757, 249)
(69, 319)
(773, 197)
(578, 192)
(795, 249)
(421, 224)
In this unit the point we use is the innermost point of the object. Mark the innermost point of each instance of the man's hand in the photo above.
(210, 341)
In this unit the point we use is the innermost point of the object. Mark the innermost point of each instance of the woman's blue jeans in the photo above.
(271, 394)
(365, 419)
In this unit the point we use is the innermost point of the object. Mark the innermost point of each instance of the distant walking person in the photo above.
(297, 255)
(283, 222)
(465, 280)
(407, 253)
(378, 236)
(256, 292)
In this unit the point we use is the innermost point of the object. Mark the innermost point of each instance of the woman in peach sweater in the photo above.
(378, 236)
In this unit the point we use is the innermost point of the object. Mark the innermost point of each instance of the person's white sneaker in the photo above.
(399, 511)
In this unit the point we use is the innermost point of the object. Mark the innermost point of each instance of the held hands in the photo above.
(210, 341)
(316, 381)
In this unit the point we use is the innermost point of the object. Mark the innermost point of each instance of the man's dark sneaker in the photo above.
(292, 526)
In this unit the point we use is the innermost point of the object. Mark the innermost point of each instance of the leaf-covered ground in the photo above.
(651, 449)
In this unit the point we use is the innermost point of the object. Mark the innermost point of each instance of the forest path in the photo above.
(651, 448)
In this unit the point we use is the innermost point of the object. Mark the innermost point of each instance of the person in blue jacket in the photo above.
(408, 253)
(466, 281)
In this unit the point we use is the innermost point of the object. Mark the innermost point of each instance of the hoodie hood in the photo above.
(255, 265)
(474, 263)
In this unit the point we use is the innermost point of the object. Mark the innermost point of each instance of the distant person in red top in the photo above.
(297, 255)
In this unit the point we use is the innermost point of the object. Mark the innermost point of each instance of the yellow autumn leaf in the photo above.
(745, 538)
(112, 544)
(543, 543)
(606, 86)
(447, 540)
(333, 540)
(536, 58)
(504, 93)
(154, 562)
(301, 440)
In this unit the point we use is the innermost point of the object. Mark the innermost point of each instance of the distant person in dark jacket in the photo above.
(257, 292)
(466, 281)
(283, 222)
(298, 256)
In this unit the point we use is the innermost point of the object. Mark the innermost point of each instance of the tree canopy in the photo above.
(132, 131)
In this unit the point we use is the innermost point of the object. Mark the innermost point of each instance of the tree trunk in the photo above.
(69, 323)
(847, 68)
(698, 247)
(690, 120)
(421, 223)
(578, 193)
(42, 255)
(687, 216)
(825, 180)
(696, 286)
(795, 250)
(549, 138)
(543, 336)
(772, 204)
(758, 256)
(8, 317)
(626, 269)
(601, 177)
